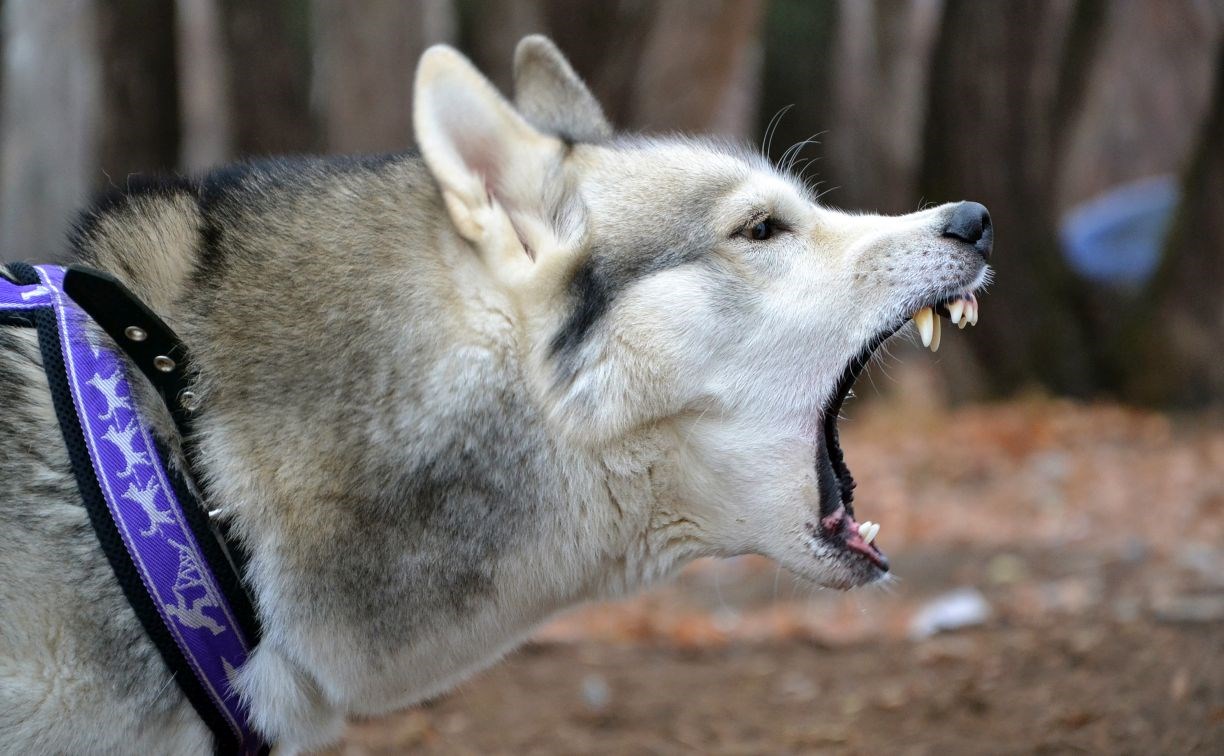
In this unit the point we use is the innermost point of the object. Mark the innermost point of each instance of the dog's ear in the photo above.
(490, 164)
(551, 96)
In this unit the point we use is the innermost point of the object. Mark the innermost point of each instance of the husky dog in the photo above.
(444, 396)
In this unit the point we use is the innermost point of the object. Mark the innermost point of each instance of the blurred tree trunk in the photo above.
(491, 29)
(365, 58)
(883, 55)
(1141, 105)
(139, 126)
(48, 123)
(998, 100)
(204, 98)
(605, 43)
(268, 52)
(688, 65)
(799, 74)
(700, 69)
(3, 40)
(1141, 108)
(1176, 340)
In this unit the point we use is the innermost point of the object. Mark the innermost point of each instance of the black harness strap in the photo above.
(155, 349)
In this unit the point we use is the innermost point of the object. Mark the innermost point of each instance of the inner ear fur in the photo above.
(552, 97)
(490, 163)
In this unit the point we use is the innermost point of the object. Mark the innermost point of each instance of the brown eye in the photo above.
(761, 230)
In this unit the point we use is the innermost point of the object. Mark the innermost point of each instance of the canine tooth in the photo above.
(956, 308)
(872, 532)
(973, 310)
(864, 528)
(935, 335)
(924, 319)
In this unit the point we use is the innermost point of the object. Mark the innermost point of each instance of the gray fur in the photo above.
(424, 455)
(552, 97)
(653, 244)
(280, 275)
(64, 622)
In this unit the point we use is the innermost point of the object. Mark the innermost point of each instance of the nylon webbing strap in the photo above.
(165, 361)
(139, 508)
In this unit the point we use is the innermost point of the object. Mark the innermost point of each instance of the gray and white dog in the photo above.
(446, 395)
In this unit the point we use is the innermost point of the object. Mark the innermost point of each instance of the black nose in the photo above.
(970, 222)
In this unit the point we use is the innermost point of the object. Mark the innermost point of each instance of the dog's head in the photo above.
(693, 290)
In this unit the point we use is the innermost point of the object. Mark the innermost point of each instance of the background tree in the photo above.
(138, 120)
(47, 125)
(364, 65)
(204, 96)
(268, 72)
(687, 65)
(1029, 106)
(1178, 336)
(873, 148)
(797, 101)
(997, 101)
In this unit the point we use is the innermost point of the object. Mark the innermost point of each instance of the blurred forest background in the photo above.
(1093, 130)
(1060, 562)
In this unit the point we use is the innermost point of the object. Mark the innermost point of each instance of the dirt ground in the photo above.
(1085, 543)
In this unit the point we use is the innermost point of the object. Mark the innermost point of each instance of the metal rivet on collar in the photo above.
(135, 333)
(189, 400)
(163, 363)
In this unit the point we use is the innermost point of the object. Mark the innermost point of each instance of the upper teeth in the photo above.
(955, 308)
(963, 311)
(926, 322)
(869, 530)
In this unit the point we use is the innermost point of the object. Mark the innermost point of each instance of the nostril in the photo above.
(970, 222)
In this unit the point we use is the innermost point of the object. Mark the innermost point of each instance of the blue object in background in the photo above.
(1117, 237)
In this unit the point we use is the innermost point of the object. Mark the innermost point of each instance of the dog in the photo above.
(443, 396)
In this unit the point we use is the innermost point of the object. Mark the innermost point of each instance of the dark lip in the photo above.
(841, 529)
(832, 474)
(833, 478)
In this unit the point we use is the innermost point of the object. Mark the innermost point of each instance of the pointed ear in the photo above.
(551, 96)
(490, 164)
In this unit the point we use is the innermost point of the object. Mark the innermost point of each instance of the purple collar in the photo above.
(150, 525)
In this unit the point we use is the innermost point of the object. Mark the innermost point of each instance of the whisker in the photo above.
(797, 150)
(807, 163)
(787, 161)
(772, 129)
(826, 191)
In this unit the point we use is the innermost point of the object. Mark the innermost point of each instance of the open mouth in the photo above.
(837, 525)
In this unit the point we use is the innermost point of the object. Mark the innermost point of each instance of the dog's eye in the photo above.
(761, 229)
